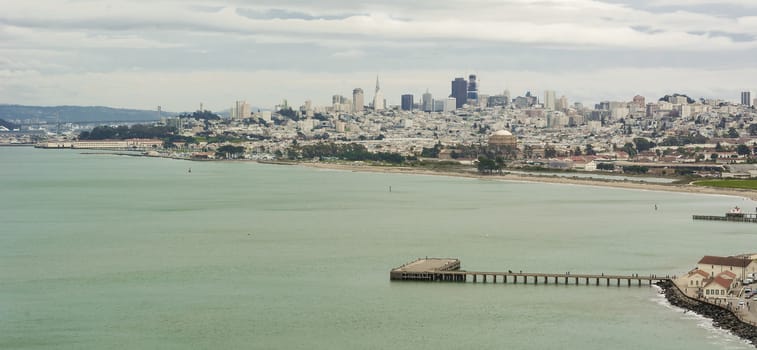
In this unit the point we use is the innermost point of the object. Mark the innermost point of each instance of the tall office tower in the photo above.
(562, 103)
(378, 98)
(357, 100)
(427, 102)
(240, 110)
(407, 102)
(472, 87)
(459, 91)
(549, 100)
(746, 98)
(508, 98)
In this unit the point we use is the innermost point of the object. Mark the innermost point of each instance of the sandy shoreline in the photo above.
(752, 195)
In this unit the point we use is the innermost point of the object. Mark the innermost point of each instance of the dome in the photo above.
(502, 133)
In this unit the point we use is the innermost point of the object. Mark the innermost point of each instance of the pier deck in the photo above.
(448, 270)
(734, 218)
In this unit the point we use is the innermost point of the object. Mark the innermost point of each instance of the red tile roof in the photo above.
(725, 261)
(727, 275)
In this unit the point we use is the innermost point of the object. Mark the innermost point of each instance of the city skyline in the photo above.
(178, 54)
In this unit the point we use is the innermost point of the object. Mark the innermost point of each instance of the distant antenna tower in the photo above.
(159, 113)
(201, 107)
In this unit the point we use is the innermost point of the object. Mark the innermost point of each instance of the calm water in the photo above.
(102, 251)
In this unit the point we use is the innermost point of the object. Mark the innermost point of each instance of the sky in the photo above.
(180, 53)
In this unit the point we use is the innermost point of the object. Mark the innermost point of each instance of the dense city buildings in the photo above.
(674, 131)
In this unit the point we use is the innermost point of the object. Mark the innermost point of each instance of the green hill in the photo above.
(76, 113)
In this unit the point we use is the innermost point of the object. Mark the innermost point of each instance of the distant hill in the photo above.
(76, 113)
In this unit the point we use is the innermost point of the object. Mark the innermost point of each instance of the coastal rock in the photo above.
(721, 318)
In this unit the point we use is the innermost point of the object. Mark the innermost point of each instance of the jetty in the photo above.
(735, 215)
(448, 270)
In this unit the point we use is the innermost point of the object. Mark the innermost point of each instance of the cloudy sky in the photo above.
(179, 53)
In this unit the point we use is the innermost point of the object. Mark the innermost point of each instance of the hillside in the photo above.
(76, 113)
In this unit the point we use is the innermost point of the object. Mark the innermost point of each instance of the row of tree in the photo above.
(344, 151)
(138, 131)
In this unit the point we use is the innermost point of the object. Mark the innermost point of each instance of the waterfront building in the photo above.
(740, 266)
(358, 100)
(459, 92)
(407, 102)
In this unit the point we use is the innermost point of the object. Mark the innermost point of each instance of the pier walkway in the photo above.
(735, 218)
(448, 270)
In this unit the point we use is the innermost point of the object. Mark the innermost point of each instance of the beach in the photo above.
(684, 188)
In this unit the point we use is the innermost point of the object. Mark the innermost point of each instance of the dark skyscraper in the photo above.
(472, 87)
(459, 92)
(407, 102)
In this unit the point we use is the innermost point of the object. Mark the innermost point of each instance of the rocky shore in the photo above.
(720, 317)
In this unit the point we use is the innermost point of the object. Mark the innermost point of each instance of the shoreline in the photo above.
(560, 180)
(631, 185)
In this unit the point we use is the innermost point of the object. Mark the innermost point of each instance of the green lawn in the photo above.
(746, 184)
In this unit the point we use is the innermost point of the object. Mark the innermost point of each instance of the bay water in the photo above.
(100, 251)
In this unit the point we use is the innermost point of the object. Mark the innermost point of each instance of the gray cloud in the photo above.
(336, 41)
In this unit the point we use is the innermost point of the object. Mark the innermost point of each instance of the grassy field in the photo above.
(745, 184)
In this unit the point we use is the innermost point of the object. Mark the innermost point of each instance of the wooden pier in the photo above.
(448, 270)
(729, 217)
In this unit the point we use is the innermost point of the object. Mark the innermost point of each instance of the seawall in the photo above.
(721, 317)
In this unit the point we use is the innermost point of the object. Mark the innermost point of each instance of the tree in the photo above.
(486, 165)
(732, 133)
(500, 163)
(229, 152)
(550, 152)
(714, 157)
(590, 150)
(643, 144)
(630, 149)
(743, 150)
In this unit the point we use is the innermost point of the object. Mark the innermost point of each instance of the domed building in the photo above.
(503, 138)
(503, 143)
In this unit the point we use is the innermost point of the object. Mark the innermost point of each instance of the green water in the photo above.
(113, 252)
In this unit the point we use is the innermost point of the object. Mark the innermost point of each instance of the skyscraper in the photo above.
(472, 87)
(549, 99)
(746, 98)
(459, 91)
(357, 100)
(428, 102)
(378, 98)
(407, 102)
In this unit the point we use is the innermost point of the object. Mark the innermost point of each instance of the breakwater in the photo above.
(721, 317)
